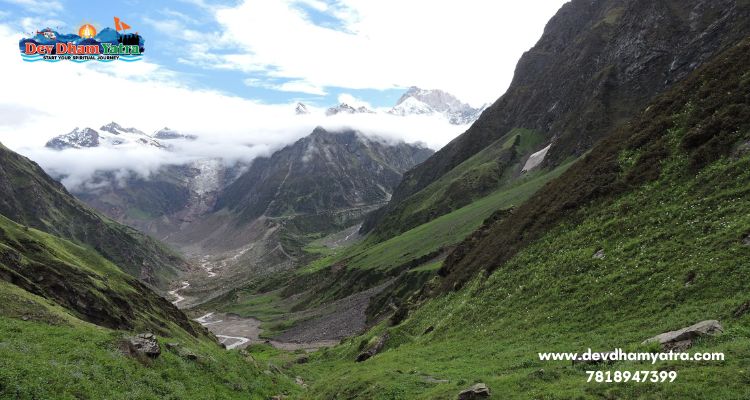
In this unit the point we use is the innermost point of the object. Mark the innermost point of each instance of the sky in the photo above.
(232, 71)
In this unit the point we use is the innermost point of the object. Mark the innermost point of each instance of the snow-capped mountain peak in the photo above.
(411, 106)
(77, 138)
(344, 108)
(417, 101)
(110, 135)
(169, 134)
(115, 129)
(301, 109)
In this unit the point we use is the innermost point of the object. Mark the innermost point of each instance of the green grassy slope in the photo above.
(65, 312)
(46, 353)
(558, 91)
(343, 272)
(705, 118)
(83, 281)
(30, 197)
(495, 168)
(672, 219)
(442, 231)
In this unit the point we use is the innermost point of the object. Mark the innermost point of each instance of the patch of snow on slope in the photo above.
(536, 159)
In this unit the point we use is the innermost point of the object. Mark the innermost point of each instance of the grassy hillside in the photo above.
(339, 273)
(554, 296)
(47, 353)
(666, 201)
(67, 308)
(83, 282)
(577, 94)
(496, 168)
(703, 119)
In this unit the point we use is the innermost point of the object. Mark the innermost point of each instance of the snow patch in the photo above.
(536, 159)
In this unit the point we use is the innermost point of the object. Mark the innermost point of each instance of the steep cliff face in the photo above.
(700, 124)
(597, 63)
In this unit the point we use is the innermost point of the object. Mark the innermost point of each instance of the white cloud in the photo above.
(47, 7)
(296, 86)
(353, 101)
(468, 47)
(31, 24)
(40, 100)
(300, 86)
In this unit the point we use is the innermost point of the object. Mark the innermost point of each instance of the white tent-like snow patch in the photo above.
(536, 159)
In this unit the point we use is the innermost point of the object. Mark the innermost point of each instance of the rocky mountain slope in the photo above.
(165, 202)
(324, 173)
(160, 204)
(73, 322)
(645, 234)
(30, 197)
(624, 53)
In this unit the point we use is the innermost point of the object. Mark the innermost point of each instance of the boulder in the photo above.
(172, 346)
(374, 348)
(599, 255)
(682, 339)
(746, 240)
(478, 391)
(144, 344)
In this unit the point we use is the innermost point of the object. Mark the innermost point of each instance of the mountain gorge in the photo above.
(74, 300)
(253, 220)
(601, 202)
(322, 184)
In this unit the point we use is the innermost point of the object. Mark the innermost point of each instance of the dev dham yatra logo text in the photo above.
(86, 45)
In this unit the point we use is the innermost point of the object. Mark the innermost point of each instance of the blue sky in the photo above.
(165, 49)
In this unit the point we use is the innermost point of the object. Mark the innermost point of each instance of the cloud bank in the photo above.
(42, 100)
(302, 46)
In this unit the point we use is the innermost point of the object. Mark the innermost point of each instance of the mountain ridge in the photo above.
(587, 100)
(32, 198)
